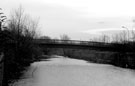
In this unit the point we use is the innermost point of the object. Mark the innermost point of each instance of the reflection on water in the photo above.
(71, 72)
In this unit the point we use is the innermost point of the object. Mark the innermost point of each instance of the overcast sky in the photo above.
(80, 19)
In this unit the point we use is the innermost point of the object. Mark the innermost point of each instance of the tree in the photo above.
(105, 38)
(120, 38)
(22, 24)
(22, 31)
(102, 38)
(65, 38)
(46, 38)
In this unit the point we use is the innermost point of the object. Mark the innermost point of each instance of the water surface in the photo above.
(72, 72)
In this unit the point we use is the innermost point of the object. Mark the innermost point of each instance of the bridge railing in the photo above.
(75, 42)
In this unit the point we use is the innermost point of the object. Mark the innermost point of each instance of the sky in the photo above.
(79, 19)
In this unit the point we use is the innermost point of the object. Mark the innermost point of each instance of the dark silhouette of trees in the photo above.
(20, 50)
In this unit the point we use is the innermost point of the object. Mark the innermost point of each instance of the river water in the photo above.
(63, 71)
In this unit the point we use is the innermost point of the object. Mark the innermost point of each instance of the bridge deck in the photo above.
(74, 44)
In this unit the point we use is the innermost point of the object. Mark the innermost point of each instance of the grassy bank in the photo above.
(125, 60)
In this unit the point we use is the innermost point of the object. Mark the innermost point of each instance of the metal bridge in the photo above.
(75, 44)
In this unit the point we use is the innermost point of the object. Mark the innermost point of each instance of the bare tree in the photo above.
(115, 38)
(45, 37)
(133, 35)
(65, 38)
(102, 38)
(22, 30)
(23, 24)
(105, 38)
(120, 38)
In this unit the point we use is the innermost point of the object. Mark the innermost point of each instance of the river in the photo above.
(63, 71)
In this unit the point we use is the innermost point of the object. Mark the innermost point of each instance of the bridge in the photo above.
(90, 45)
(75, 44)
